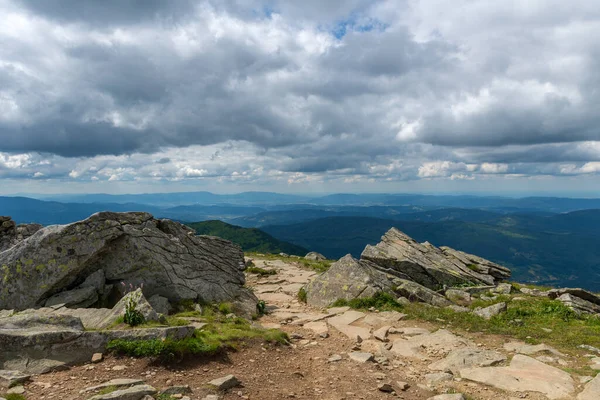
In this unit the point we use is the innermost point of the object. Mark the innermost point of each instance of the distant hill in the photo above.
(535, 255)
(250, 239)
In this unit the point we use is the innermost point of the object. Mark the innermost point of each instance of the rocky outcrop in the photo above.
(109, 248)
(579, 300)
(427, 265)
(11, 233)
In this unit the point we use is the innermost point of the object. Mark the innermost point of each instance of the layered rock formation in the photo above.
(11, 233)
(403, 267)
(84, 263)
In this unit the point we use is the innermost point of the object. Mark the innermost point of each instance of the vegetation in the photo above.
(319, 266)
(261, 271)
(133, 317)
(249, 239)
(108, 389)
(534, 320)
(14, 396)
(302, 295)
(221, 332)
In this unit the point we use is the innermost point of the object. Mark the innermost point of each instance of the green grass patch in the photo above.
(302, 295)
(381, 301)
(261, 271)
(108, 389)
(14, 396)
(220, 333)
(319, 266)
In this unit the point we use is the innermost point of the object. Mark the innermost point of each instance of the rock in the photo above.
(211, 397)
(342, 323)
(503, 288)
(381, 333)
(385, 387)
(16, 390)
(133, 393)
(76, 298)
(468, 357)
(133, 247)
(454, 396)
(97, 357)
(591, 390)
(97, 280)
(440, 342)
(402, 385)
(458, 296)
(579, 305)
(11, 233)
(458, 309)
(160, 304)
(9, 379)
(334, 358)
(360, 357)
(399, 255)
(314, 256)
(491, 311)
(528, 349)
(415, 292)
(524, 374)
(185, 389)
(347, 278)
(433, 379)
(118, 383)
(224, 383)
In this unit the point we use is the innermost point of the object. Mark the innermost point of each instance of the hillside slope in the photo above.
(249, 239)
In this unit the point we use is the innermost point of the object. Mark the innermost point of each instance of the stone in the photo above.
(133, 247)
(435, 378)
(361, 357)
(529, 349)
(453, 396)
(591, 391)
(97, 280)
(403, 386)
(76, 298)
(160, 304)
(579, 305)
(381, 333)
(458, 309)
(524, 374)
(440, 342)
(399, 255)
(503, 288)
(9, 379)
(11, 234)
(347, 279)
(314, 256)
(334, 358)
(174, 390)
(211, 397)
(133, 393)
(118, 383)
(468, 357)
(416, 292)
(458, 296)
(19, 389)
(224, 383)
(491, 311)
(97, 357)
(385, 387)
(318, 327)
(342, 323)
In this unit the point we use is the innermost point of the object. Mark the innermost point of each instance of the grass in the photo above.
(523, 320)
(220, 333)
(108, 389)
(261, 271)
(14, 396)
(302, 295)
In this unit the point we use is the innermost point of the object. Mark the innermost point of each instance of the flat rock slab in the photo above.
(119, 383)
(529, 349)
(524, 374)
(360, 357)
(224, 383)
(11, 378)
(441, 341)
(133, 393)
(383, 318)
(469, 357)
(276, 298)
(347, 318)
(342, 323)
(591, 390)
(318, 327)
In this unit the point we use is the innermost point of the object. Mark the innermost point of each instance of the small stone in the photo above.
(97, 357)
(119, 368)
(381, 333)
(225, 382)
(432, 379)
(402, 385)
(173, 390)
(134, 392)
(455, 396)
(10, 378)
(211, 397)
(335, 358)
(385, 387)
(16, 390)
(361, 357)
(491, 311)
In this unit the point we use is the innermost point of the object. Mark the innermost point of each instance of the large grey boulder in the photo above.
(132, 247)
(427, 265)
(314, 256)
(347, 279)
(579, 300)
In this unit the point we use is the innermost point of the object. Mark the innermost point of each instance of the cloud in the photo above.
(271, 91)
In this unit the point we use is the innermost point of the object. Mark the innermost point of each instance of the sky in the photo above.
(467, 96)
